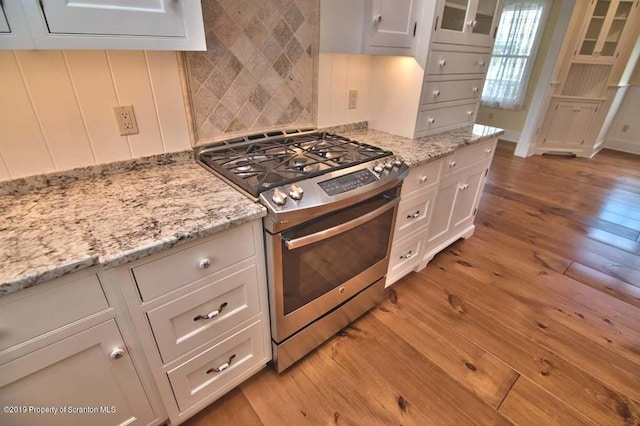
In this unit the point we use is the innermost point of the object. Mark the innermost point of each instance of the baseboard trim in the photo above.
(629, 146)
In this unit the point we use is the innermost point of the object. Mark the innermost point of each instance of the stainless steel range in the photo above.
(331, 205)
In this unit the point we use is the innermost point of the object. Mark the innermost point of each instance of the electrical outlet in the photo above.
(625, 128)
(126, 119)
(353, 99)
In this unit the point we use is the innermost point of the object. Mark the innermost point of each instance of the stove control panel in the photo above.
(347, 182)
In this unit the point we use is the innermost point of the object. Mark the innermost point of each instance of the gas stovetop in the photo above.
(260, 162)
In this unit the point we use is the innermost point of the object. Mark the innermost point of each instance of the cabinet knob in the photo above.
(436, 93)
(442, 62)
(424, 179)
(414, 216)
(472, 23)
(117, 353)
(481, 62)
(470, 113)
(222, 367)
(464, 187)
(488, 150)
(408, 255)
(475, 89)
(431, 120)
(377, 19)
(452, 164)
(205, 263)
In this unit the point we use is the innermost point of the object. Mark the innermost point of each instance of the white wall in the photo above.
(626, 140)
(337, 74)
(56, 108)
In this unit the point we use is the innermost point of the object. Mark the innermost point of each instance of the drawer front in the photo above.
(174, 271)
(212, 370)
(405, 256)
(435, 118)
(468, 155)
(445, 91)
(422, 177)
(458, 63)
(203, 315)
(24, 316)
(413, 214)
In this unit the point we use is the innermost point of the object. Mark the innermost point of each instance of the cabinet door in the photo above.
(568, 124)
(393, 23)
(78, 375)
(115, 17)
(4, 25)
(469, 22)
(442, 210)
(469, 188)
(604, 29)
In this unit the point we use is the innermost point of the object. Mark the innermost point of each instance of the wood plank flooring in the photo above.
(535, 320)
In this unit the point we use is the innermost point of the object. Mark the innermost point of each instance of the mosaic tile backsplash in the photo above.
(258, 70)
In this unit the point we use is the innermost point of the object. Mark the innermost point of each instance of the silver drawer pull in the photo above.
(204, 264)
(222, 367)
(424, 179)
(211, 314)
(414, 216)
(408, 255)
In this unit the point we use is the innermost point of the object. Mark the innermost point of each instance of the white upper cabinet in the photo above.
(604, 29)
(378, 27)
(14, 31)
(467, 22)
(110, 24)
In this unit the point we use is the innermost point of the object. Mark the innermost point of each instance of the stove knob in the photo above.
(388, 164)
(378, 167)
(397, 161)
(295, 192)
(279, 197)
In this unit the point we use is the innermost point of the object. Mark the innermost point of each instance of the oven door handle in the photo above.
(344, 227)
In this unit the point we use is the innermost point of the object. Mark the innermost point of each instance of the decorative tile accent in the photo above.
(258, 72)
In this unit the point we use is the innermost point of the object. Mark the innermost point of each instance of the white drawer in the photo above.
(160, 276)
(182, 324)
(414, 213)
(457, 63)
(468, 155)
(430, 119)
(405, 256)
(33, 312)
(445, 91)
(198, 379)
(422, 177)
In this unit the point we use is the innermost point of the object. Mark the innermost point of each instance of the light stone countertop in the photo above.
(110, 219)
(429, 148)
(112, 214)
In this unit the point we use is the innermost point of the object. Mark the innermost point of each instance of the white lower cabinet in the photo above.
(566, 125)
(443, 211)
(63, 351)
(202, 316)
(87, 378)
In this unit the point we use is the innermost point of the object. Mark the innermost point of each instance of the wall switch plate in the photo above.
(353, 99)
(126, 119)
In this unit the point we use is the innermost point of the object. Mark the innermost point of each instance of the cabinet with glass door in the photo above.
(467, 22)
(604, 30)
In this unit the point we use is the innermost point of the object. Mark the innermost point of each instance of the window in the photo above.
(514, 52)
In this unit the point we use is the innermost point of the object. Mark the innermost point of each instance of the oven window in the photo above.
(315, 269)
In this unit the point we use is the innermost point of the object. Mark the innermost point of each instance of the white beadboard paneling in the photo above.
(133, 87)
(54, 102)
(22, 145)
(167, 92)
(324, 90)
(92, 80)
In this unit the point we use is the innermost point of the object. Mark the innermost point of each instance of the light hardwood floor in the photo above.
(534, 320)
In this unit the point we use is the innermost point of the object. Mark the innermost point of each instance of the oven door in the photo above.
(322, 263)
